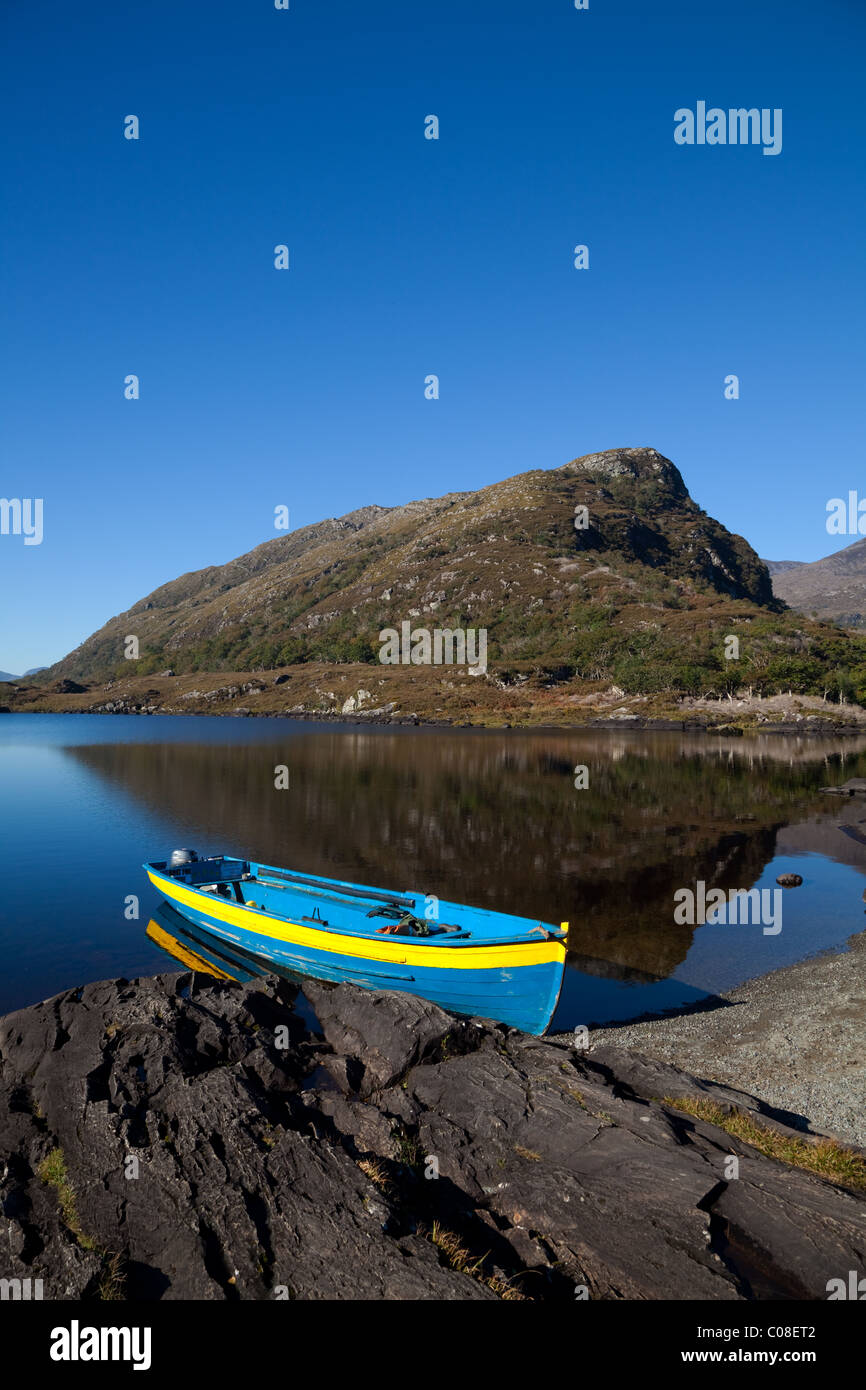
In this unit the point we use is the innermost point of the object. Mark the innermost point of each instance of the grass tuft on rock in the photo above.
(376, 1172)
(111, 1280)
(825, 1157)
(52, 1171)
(457, 1257)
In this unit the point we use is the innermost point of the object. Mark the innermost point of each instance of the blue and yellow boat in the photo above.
(464, 959)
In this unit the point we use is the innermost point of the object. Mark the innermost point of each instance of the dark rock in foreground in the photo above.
(226, 1143)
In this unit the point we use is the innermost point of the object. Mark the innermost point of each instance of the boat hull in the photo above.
(513, 983)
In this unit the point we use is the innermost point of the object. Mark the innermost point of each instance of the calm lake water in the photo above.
(488, 818)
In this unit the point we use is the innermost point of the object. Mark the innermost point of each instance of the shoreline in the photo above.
(795, 1037)
(535, 698)
(813, 729)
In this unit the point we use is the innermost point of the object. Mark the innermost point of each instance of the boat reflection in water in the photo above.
(195, 949)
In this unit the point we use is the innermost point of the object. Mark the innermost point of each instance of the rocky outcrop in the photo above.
(171, 1139)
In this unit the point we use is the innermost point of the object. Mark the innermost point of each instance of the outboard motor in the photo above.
(180, 857)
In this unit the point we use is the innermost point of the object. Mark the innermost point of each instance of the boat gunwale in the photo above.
(555, 936)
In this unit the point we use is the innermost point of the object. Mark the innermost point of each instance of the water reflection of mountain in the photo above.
(495, 820)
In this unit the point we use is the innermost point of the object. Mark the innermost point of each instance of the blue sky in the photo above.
(306, 388)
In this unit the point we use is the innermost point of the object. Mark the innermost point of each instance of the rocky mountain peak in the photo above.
(643, 464)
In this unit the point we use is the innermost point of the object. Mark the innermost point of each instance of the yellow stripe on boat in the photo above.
(492, 957)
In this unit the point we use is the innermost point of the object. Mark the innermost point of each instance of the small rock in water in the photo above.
(789, 880)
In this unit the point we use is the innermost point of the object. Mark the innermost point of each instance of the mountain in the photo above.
(833, 588)
(644, 594)
(33, 671)
(780, 566)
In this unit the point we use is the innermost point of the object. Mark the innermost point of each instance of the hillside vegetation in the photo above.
(643, 597)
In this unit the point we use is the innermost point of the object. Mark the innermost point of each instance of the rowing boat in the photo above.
(465, 959)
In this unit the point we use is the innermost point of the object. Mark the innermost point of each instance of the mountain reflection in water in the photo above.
(489, 818)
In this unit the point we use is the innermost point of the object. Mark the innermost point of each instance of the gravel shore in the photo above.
(796, 1038)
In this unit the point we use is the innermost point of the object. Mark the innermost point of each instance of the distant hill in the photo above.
(833, 588)
(34, 671)
(644, 595)
(780, 566)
